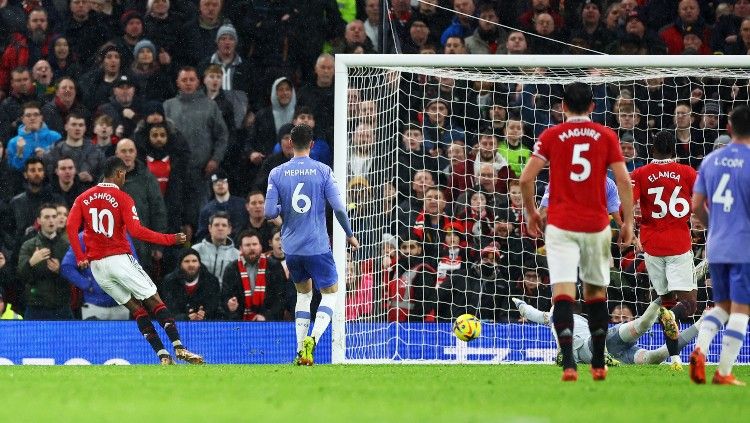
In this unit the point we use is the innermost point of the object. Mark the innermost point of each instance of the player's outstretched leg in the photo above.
(162, 314)
(598, 325)
(322, 320)
(631, 331)
(713, 321)
(301, 320)
(149, 332)
(671, 335)
(734, 336)
(562, 317)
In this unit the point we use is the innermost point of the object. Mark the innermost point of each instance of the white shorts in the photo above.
(567, 251)
(122, 277)
(671, 273)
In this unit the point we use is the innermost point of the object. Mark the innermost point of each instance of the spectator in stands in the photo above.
(41, 73)
(372, 24)
(34, 139)
(254, 205)
(516, 154)
(629, 152)
(97, 304)
(413, 199)
(491, 184)
(191, 291)
(199, 120)
(411, 157)
(474, 290)
(489, 37)
(432, 222)
(726, 32)
(66, 183)
(708, 126)
(96, 85)
(237, 73)
(11, 108)
(201, 32)
(438, 129)
(66, 101)
(269, 120)
(490, 152)
(47, 293)
(361, 159)
(688, 20)
(124, 107)
(164, 28)
(463, 23)
(318, 96)
(592, 29)
(477, 219)
(253, 286)
(355, 37)
(104, 135)
(742, 45)
(359, 291)
(166, 156)
(454, 156)
(321, 151)
(132, 32)
(25, 205)
(86, 156)
(418, 36)
(532, 290)
(11, 183)
(688, 151)
(62, 61)
(528, 18)
(223, 201)
(217, 250)
(232, 103)
(516, 43)
(11, 290)
(153, 74)
(628, 126)
(411, 285)
(548, 34)
(12, 19)
(287, 152)
(144, 188)
(25, 49)
(454, 45)
(85, 30)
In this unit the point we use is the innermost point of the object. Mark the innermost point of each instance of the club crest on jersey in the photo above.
(580, 132)
(135, 213)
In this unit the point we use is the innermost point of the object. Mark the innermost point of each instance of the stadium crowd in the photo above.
(199, 98)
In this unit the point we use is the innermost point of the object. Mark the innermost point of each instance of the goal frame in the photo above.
(344, 62)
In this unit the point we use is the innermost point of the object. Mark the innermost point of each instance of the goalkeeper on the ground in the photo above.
(621, 338)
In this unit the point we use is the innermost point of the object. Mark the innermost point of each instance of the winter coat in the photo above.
(142, 186)
(87, 158)
(235, 206)
(273, 306)
(206, 295)
(20, 53)
(44, 288)
(44, 138)
(216, 259)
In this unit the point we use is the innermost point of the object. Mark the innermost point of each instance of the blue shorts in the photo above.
(730, 281)
(320, 268)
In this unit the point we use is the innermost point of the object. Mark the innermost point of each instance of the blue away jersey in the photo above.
(299, 191)
(724, 178)
(613, 198)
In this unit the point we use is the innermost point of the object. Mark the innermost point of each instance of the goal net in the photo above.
(428, 149)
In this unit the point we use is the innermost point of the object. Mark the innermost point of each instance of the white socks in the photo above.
(734, 336)
(712, 323)
(324, 315)
(302, 317)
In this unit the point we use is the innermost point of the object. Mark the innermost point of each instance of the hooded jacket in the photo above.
(270, 120)
(44, 138)
(216, 259)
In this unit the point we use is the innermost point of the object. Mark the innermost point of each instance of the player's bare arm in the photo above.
(528, 179)
(353, 241)
(699, 208)
(625, 191)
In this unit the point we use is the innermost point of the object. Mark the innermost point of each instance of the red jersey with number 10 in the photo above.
(107, 213)
(664, 189)
(579, 152)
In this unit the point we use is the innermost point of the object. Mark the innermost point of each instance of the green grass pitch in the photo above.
(356, 393)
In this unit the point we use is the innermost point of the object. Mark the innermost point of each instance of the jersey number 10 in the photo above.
(102, 222)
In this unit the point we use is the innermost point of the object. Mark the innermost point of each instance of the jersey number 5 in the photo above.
(582, 161)
(102, 222)
(678, 206)
(297, 197)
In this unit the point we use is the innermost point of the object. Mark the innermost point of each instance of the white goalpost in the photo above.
(407, 123)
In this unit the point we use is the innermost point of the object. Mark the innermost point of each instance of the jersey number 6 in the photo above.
(297, 197)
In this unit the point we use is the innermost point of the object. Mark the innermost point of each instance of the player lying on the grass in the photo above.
(621, 338)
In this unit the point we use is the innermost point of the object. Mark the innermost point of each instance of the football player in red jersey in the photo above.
(577, 234)
(107, 213)
(664, 189)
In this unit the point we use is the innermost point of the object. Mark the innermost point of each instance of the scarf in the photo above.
(257, 300)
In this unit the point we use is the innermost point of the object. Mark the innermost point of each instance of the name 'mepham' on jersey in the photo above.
(579, 152)
(107, 214)
(664, 189)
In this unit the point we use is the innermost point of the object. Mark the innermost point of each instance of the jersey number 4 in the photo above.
(298, 197)
(102, 222)
(722, 195)
(677, 207)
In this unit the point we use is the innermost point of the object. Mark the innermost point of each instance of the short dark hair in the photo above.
(302, 135)
(255, 192)
(219, 215)
(30, 161)
(739, 119)
(303, 110)
(64, 157)
(112, 165)
(578, 97)
(74, 115)
(31, 105)
(45, 206)
(20, 69)
(664, 144)
(249, 233)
